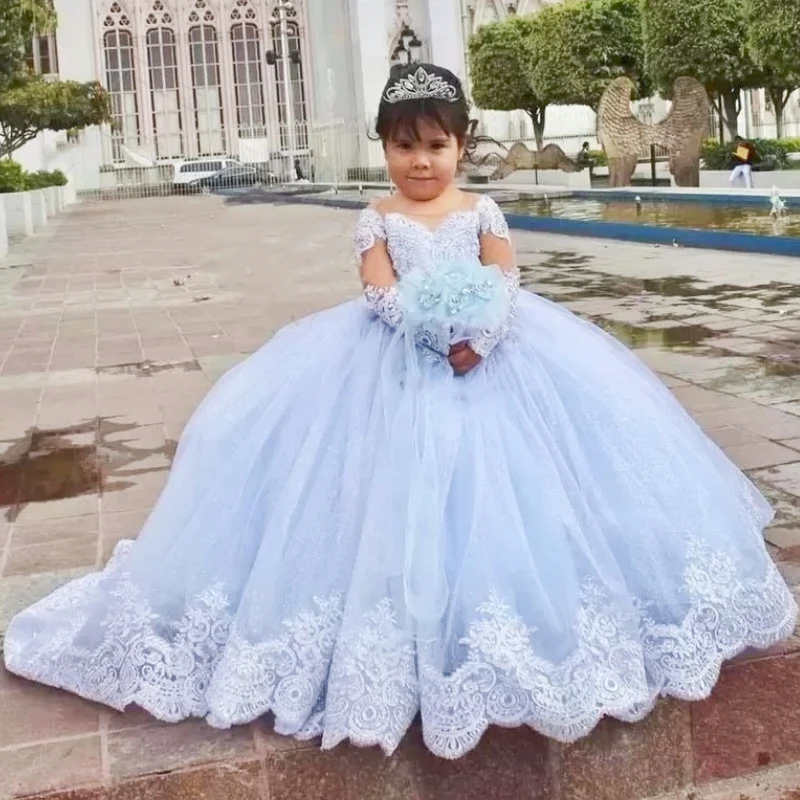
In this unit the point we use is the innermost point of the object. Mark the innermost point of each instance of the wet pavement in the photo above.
(114, 326)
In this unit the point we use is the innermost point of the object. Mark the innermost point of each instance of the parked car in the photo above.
(189, 172)
(240, 176)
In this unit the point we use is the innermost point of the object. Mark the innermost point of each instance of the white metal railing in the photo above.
(104, 165)
(335, 152)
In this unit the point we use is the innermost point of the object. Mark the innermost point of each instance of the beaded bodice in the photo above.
(412, 244)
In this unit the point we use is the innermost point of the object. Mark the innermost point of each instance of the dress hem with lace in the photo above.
(198, 666)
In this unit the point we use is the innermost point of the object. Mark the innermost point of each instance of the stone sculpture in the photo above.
(625, 139)
(487, 153)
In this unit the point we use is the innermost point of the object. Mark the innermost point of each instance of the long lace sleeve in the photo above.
(384, 300)
(493, 223)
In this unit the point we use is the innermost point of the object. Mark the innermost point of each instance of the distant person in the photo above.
(743, 155)
(298, 170)
(584, 158)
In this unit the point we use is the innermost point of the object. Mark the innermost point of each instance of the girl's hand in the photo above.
(463, 358)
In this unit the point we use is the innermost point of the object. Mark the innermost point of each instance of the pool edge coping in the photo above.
(619, 231)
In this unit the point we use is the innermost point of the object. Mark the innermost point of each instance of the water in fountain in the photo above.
(663, 211)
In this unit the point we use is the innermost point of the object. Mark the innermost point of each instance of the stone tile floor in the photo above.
(115, 324)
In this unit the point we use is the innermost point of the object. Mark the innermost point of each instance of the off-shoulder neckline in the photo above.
(442, 221)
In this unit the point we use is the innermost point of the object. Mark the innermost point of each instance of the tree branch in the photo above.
(11, 142)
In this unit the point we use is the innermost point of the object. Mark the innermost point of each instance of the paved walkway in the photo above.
(114, 326)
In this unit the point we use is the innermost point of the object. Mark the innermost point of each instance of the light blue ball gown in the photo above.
(584, 548)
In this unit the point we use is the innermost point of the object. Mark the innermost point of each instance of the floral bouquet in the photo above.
(453, 302)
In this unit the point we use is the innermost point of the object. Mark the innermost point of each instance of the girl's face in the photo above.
(422, 168)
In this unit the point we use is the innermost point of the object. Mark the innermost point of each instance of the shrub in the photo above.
(719, 156)
(44, 179)
(791, 145)
(599, 157)
(716, 155)
(771, 149)
(12, 177)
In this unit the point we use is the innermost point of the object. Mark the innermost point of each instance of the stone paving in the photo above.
(115, 324)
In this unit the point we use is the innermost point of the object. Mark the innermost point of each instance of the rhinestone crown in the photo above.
(421, 85)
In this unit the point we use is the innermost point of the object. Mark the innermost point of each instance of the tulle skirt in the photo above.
(546, 541)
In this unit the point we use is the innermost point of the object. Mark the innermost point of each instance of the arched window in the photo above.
(207, 88)
(121, 85)
(162, 62)
(296, 93)
(248, 79)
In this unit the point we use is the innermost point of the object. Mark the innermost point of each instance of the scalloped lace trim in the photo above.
(367, 681)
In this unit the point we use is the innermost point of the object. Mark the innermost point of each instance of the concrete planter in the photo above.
(3, 232)
(783, 179)
(24, 213)
(57, 199)
(69, 195)
(18, 209)
(39, 208)
(51, 200)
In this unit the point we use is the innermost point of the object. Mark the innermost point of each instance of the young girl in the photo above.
(373, 518)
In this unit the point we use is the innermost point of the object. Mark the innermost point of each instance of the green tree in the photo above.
(20, 21)
(774, 39)
(705, 40)
(582, 45)
(500, 57)
(29, 105)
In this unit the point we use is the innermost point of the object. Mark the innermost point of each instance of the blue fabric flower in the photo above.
(464, 297)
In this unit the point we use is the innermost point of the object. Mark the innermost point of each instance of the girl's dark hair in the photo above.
(402, 118)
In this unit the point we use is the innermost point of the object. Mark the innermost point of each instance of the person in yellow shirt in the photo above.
(744, 155)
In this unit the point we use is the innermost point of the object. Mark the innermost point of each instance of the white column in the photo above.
(230, 121)
(446, 45)
(371, 30)
(144, 96)
(185, 85)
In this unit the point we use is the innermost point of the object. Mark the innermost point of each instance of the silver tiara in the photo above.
(421, 85)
